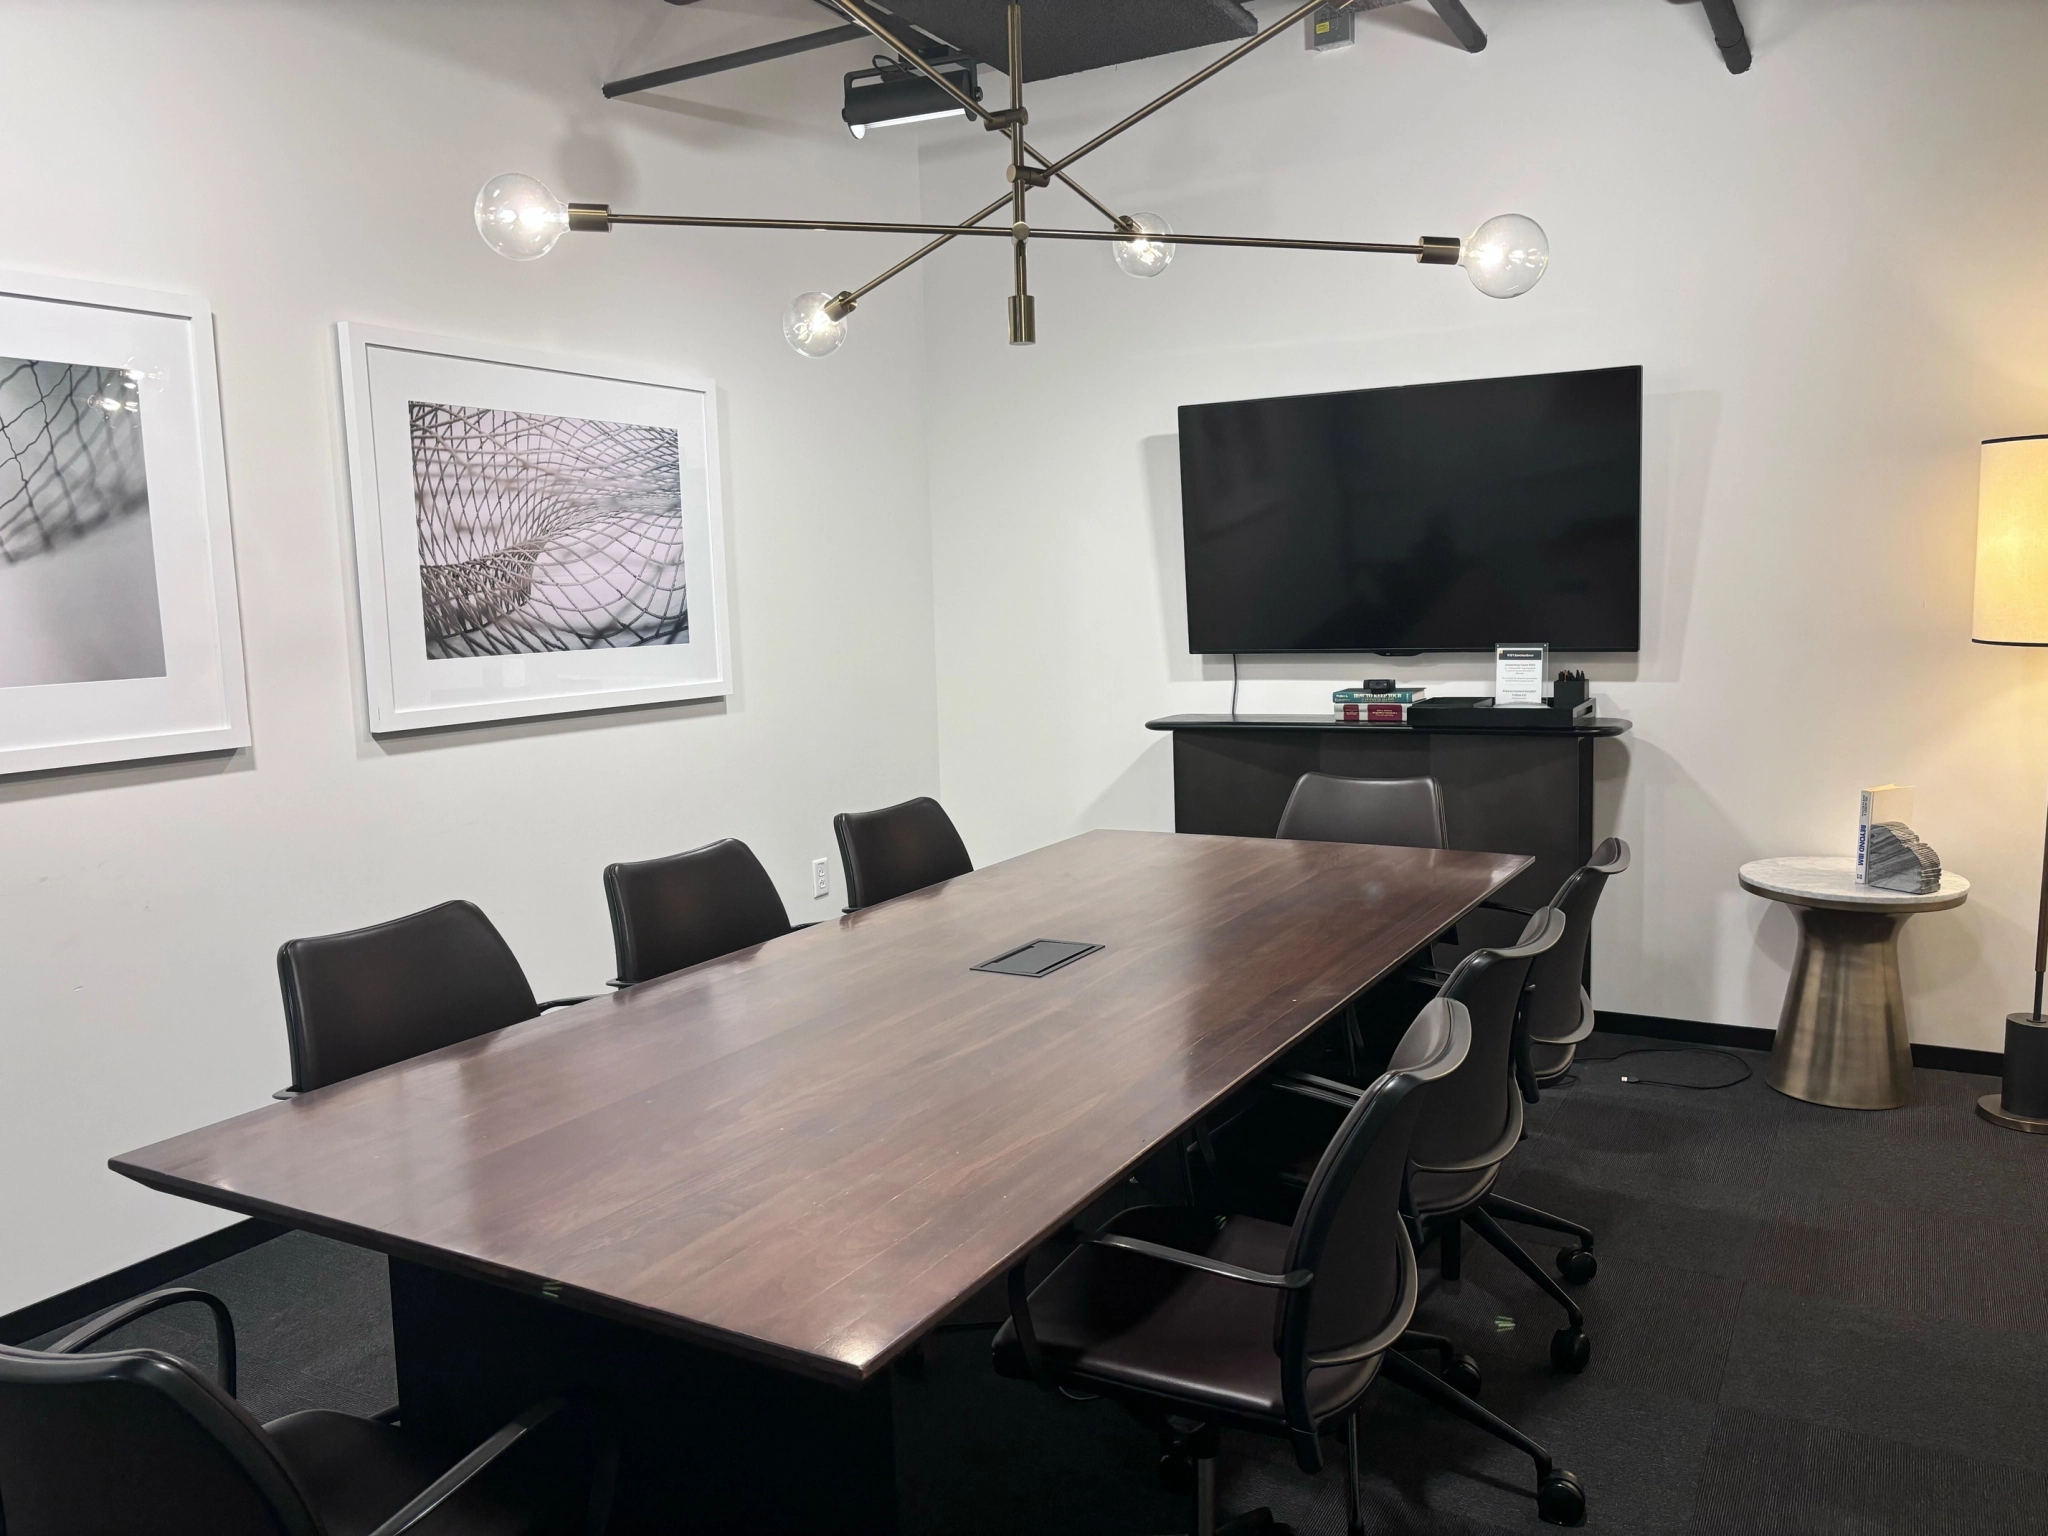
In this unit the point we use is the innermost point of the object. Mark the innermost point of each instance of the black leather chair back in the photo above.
(672, 913)
(135, 1441)
(357, 1001)
(1396, 813)
(1473, 1110)
(1348, 1232)
(1553, 1009)
(898, 849)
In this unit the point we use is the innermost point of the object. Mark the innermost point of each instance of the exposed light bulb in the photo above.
(1145, 257)
(808, 325)
(520, 218)
(1506, 256)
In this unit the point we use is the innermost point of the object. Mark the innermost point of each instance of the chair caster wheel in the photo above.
(1463, 1374)
(1577, 1265)
(1560, 1500)
(1570, 1350)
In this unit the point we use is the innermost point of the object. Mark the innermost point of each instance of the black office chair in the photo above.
(1476, 1122)
(1195, 1325)
(898, 849)
(1396, 813)
(1557, 1014)
(139, 1441)
(357, 1001)
(1559, 1009)
(669, 914)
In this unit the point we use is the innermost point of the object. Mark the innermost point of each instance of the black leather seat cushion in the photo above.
(358, 1473)
(1117, 1319)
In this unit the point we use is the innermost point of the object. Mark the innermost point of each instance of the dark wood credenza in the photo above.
(1521, 790)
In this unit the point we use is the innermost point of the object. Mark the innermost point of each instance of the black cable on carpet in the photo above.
(1665, 1082)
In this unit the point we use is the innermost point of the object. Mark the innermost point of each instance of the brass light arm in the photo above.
(1433, 248)
(919, 255)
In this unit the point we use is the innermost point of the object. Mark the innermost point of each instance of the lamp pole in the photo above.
(2012, 609)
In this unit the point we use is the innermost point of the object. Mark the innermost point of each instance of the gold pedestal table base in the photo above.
(1842, 1038)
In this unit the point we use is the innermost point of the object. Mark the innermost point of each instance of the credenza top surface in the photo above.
(1591, 726)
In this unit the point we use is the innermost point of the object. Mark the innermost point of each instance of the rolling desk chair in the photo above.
(1475, 1124)
(1258, 1326)
(672, 913)
(137, 1440)
(357, 1001)
(898, 849)
(1557, 1014)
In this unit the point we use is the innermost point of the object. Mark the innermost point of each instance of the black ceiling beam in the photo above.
(1729, 35)
(740, 60)
(1471, 37)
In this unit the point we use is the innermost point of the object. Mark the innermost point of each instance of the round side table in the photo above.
(1842, 1037)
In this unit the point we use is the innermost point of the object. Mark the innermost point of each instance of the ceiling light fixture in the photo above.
(893, 92)
(521, 219)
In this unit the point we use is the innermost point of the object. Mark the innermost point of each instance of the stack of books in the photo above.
(1355, 706)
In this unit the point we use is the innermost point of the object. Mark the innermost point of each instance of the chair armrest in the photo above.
(566, 1002)
(1293, 1280)
(444, 1487)
(176, 1295)
(1327, 1090)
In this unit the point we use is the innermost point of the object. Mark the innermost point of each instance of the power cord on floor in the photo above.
(1665, 1082)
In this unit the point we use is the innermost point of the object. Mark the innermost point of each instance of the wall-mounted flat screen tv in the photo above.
(1430, 517)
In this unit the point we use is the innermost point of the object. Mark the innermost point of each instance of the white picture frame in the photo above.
(89, 675)
(563, 601)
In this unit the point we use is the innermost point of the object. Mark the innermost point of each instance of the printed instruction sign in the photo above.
(1518, 675)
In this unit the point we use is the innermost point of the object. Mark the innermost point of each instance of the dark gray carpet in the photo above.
(1805, 1320)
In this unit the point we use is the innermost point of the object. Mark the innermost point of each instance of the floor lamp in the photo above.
(2012, 609)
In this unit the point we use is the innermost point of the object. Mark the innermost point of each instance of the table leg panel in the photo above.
(708, 1441)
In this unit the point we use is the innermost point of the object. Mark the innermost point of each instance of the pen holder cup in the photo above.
(1569, 692)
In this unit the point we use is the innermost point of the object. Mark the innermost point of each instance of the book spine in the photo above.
(1863, 837)
(1354, 696)
(1373, 714)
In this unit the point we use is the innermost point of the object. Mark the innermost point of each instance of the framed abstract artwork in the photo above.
(120, 634)
(535, 535)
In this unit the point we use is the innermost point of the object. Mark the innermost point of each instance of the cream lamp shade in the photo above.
(2012, 543)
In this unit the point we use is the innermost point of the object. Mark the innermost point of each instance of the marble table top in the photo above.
(1829, 880)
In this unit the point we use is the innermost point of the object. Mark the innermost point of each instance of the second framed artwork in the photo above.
(535, 535)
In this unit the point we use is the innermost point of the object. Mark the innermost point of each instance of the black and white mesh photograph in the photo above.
(78, 586)
(546, 533)
(536, 534)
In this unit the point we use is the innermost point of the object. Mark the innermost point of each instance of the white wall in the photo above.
(298, 162)
(1828, 268)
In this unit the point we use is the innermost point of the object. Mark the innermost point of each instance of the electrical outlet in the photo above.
(821, 878)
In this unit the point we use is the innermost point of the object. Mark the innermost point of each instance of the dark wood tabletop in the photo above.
(811, 1151)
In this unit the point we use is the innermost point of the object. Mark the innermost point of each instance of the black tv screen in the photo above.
(1431, 517)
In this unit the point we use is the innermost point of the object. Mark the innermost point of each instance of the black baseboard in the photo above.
(81, 1301)
(1743, 1037)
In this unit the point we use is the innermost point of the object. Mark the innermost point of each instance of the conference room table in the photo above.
(724, 1201)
